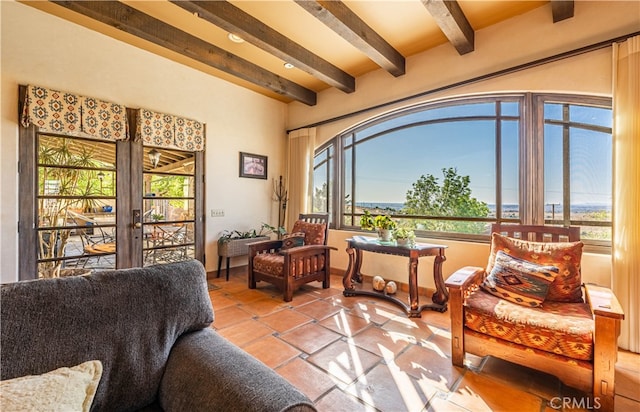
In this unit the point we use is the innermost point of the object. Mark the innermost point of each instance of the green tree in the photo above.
(451, 198)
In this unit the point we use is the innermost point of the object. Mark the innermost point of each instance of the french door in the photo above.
(89, 205)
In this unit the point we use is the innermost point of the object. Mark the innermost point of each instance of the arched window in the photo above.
(451, 168)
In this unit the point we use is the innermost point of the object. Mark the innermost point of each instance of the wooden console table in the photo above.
(358, 244)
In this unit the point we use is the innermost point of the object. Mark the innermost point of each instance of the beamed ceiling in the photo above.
(329, 43)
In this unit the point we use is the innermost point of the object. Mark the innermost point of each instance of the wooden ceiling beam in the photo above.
(453, 23)
(562, 9)
(232, 19)
(134, 22)
(337, 16)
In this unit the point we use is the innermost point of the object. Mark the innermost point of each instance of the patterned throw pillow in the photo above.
(292, 240)
(566, 256)
(314, 233)
(519, 281)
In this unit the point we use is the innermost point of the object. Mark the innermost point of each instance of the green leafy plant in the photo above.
(403, 233)
(379, 222)
(264, 230)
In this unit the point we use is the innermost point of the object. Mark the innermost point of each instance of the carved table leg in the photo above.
(413, 288)
(357, 276)
(346, 280)
(441, 295)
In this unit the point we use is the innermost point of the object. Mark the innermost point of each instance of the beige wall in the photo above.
(508, 44)
(55, 53)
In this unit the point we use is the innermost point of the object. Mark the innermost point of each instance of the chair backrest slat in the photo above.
(538, 233)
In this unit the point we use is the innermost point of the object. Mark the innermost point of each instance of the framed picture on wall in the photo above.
(253, 166)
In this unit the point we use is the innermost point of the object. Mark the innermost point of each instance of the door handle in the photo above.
(137, 218)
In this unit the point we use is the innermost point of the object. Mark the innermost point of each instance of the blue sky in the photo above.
(389, 164)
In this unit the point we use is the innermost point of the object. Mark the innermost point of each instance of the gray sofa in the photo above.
(150, 329)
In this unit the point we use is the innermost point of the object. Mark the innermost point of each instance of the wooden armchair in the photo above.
(577, 342)
(290, 267)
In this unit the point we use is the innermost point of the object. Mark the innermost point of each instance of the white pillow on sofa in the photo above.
(63, 389)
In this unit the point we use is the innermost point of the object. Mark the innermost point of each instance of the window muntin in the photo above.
(588, 120)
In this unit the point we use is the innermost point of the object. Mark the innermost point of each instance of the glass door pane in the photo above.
(76, 213)
(168, 215)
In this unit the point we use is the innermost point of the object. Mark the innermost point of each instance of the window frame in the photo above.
(591, 245)
(530, 157)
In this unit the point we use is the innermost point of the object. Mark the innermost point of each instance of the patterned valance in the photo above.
(169, 131)
(54, 111)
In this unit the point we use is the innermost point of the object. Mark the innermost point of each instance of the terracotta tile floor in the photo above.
(364, 354)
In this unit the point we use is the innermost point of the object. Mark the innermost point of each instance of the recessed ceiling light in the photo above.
(289, 66)
(235, 38)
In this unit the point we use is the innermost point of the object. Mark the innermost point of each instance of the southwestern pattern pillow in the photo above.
(566, 256)
(292, 240)
(519, 281)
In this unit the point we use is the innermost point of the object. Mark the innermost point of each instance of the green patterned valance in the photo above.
(66, 113)
(169, 131)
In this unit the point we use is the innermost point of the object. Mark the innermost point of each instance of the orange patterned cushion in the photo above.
(273, 264)
(313, 232)
(586, 364)
(561, 328)
(270, 263)
(565, 256)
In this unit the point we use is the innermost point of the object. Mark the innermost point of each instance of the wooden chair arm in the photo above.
(306, 250)
(264, 245)
(603, 302)
(465, 277)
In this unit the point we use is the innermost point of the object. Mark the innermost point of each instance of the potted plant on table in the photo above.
(234, 243)
(403, 236)
(383, 224)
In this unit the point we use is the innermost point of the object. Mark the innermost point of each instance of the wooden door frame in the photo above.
(129, 175)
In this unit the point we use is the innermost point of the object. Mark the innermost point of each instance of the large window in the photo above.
(451, 168)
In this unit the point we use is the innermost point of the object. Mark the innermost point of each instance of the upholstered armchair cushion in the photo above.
(559, 328)
(273, 264)
(314, 233)
(565, 256)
